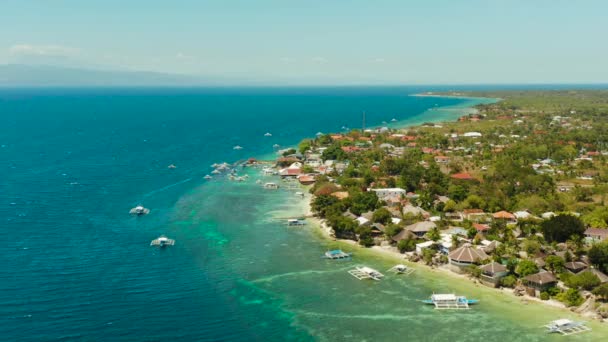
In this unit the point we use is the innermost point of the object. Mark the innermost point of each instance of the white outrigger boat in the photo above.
(237, 147)
(364, 272)
(271, 186)
(139, 210)
(207, 177)
(450, 301)
(337, 254)
(162, 241)
(401, 269)
(267, 135)
(566, 327)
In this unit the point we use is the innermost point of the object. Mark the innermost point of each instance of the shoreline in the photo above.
(325, 233)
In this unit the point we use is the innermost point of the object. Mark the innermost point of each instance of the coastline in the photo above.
(390, 253)
(443, 114)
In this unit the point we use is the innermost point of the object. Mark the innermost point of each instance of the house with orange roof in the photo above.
(462, 176)
(505, 215)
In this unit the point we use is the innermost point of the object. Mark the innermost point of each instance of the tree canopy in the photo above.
(561, 227)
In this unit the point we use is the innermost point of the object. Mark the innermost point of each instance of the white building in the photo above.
(383, 194)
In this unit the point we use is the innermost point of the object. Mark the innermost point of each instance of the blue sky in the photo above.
(318, 42)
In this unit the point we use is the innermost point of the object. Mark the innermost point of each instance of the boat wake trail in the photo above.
(153, 192)
(294, 274)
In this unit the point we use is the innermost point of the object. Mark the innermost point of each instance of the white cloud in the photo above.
(379, 60)
(319, 60)
(286, 60)
(43, 50)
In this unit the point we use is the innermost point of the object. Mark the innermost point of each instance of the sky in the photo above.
(317, 41)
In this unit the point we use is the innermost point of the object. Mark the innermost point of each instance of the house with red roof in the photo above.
(462, 176)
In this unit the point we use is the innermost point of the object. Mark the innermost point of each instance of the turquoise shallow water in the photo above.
(78, 267)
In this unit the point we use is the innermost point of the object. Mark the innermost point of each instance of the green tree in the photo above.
(531, 247)
(305, 145)
(555, 263)
(598, 256)
(561, 227)
(526, 267)
(392, 230)
(406, 245)
(571, 297)
(333, 152)
(433, 234)
(427, 255)
(601, 291)
(365, 236)
(508, 281)
(584, 280)
(382, 215)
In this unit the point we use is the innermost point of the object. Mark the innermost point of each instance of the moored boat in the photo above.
(139, 210)
(450, 301)
(162, 241)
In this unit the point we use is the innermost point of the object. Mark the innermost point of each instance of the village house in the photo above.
(385, 193)
(505, 216)
(421, 228)
(463, 257)
(462, 176)
(539, 282)
(593, 235)
(306, 179)
(575, 267)
(492, 273)
(474, 215)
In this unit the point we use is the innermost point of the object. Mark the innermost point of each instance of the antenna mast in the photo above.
(363, 130)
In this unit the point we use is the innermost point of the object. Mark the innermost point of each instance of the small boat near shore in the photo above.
(566, 327)
(296, 222)
(139, 211)
(450, 301)
(337, 254)
(364, 272)
(401, 269)
(271, 186)
(162, 241)
(207, 177)
(237, 147)
(268, 135)
(172, 166)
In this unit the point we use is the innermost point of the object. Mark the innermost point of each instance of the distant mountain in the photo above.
(20, 75)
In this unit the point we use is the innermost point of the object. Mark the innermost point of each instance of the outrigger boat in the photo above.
(337, 254)
(162, 241)
(139, 210)
(401, 269)
(450, 301)
(296, 222)
(364, 272)
(566, 327)
(207, 177)
(272, 186)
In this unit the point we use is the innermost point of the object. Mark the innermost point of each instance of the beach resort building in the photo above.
(539, 282)
(492, 273)
(465, 256)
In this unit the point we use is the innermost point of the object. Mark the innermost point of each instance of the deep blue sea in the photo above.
(77, 266)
